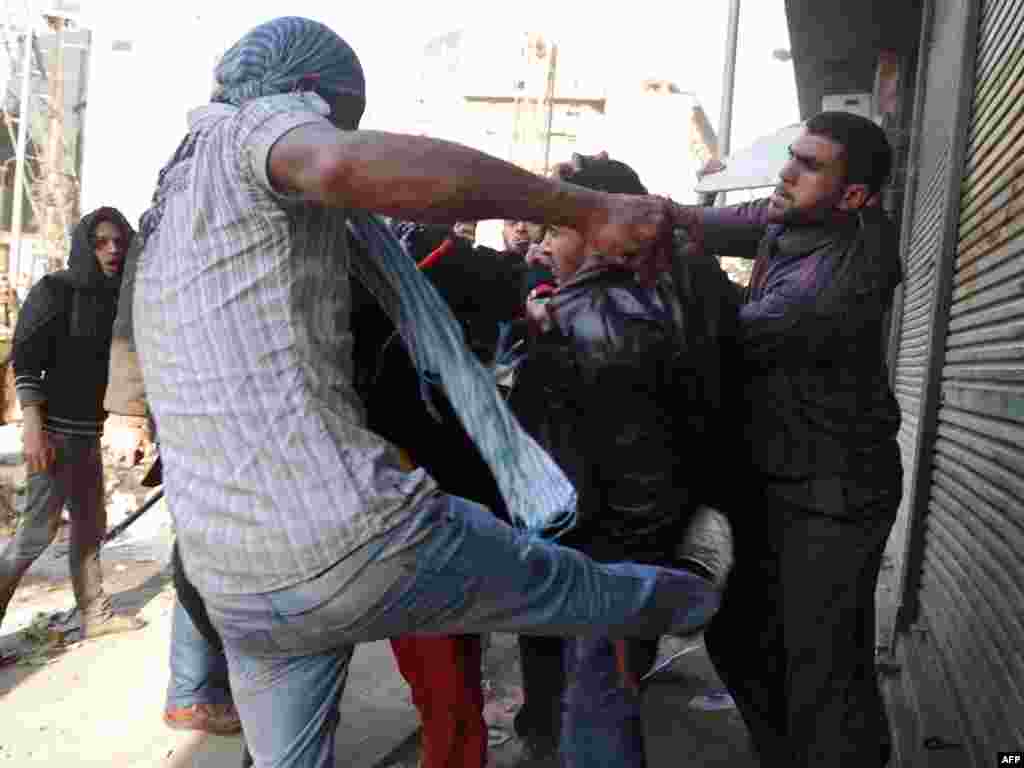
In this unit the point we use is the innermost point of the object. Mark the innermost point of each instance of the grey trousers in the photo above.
(75, 479)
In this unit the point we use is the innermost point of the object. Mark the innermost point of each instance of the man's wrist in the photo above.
(32, 414)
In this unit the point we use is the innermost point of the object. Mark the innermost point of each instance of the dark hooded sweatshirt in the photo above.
(62, 341)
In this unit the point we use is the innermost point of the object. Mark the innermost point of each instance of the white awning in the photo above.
(756, 166)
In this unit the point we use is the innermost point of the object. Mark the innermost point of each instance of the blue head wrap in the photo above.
(284, 55)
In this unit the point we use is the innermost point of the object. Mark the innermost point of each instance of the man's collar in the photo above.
(208, 112)
(802, 239)
(305, 100)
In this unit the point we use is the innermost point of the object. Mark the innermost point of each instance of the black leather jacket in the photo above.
(625, 394)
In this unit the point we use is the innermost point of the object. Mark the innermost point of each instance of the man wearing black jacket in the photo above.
(61, 356)
(622, 386)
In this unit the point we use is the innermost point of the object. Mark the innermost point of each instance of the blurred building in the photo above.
(534, 99)
(54, 115)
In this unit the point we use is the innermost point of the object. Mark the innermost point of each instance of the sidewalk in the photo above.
(100, 703)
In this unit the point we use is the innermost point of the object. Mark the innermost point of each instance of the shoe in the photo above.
(221, 719)
(91, 629)
(707, 548)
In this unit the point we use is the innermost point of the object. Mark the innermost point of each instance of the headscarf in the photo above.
(92, 295)
(287, 54)
(278, 57)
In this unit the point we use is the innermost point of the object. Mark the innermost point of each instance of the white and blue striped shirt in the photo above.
(242, 325)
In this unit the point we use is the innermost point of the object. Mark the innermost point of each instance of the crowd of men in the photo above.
(340, 460)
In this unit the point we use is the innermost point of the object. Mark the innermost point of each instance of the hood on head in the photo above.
(82, 264)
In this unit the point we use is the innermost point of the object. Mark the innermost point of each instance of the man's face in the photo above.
(518, 236)
(110, 247)
(347, 110)
(812, 183)
(564, 249)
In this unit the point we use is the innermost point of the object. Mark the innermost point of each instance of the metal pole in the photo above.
(728, 83)
(52, 230)
(550, 99)
(14, 261)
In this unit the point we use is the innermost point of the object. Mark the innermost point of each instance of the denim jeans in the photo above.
(199, 672)
(451, 568)
(602, 718)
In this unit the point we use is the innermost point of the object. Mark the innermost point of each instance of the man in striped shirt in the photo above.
(299, 526)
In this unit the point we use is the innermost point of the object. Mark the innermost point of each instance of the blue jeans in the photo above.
(451, 568)
(199, 672)
(602, 719)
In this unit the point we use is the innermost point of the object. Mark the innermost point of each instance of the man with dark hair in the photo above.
(865, 150)
(795, 639)
(299, 526)
(61, 353)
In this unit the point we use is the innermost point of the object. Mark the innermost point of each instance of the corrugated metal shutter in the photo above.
(926, 219)
(972, 579)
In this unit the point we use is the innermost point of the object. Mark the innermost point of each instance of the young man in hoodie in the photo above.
(61, 355)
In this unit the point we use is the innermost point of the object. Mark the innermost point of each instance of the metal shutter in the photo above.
(927, 220)
(972, 577)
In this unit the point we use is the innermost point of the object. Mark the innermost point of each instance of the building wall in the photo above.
(487, 91)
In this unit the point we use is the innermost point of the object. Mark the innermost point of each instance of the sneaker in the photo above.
(707, 548)
(221, 719)
(114, 625)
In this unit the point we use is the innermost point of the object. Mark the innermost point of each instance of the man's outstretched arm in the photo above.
(426, 179)
(733, 230)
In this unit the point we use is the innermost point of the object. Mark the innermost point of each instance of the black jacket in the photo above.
(626, 393)
(61, 349)
(483, 287)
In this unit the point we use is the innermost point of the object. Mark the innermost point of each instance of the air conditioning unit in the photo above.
(858, 103)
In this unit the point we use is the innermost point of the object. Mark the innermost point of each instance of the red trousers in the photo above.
(447, 689)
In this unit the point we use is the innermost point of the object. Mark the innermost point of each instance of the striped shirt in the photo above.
(242, 324)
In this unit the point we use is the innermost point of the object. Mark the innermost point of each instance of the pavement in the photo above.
(100, 703)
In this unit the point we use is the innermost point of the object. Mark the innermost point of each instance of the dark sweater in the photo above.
(62, 342)
(389, 385)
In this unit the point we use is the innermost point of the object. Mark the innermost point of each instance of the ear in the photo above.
(855, 197)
